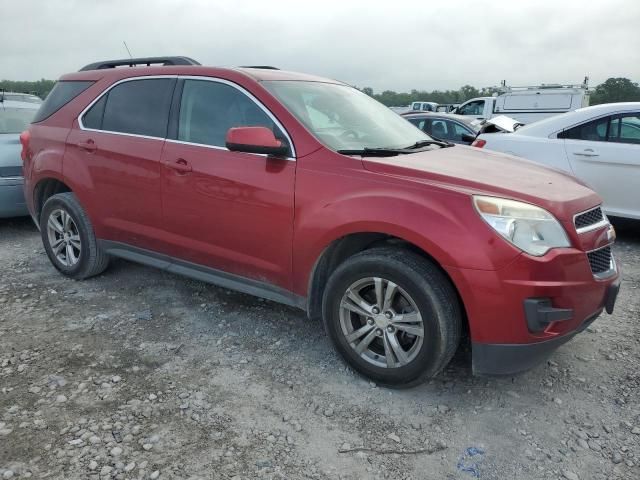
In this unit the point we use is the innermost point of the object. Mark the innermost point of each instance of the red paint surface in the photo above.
(270, 219)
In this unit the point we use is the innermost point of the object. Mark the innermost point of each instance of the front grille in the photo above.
(588, 218)
(600, 260)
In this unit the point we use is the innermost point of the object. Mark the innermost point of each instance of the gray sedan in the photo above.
(15, 117)
(446, 126)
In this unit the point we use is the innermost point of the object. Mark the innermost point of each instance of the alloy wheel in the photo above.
(381, 322)
(64, 237)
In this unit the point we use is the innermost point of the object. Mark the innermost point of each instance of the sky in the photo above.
(399, 45)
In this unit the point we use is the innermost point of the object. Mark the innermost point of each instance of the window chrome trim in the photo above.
(251, 97)
(587, 120)
(594, 226)
(113, 85)
(188, 77)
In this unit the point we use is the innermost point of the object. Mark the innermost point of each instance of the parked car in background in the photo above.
(527, 104)
(446, 107)
(307, 191)
(423, 106)
(452, 128)
(15, 117)
(600, 145)
(20, 97)
(416, 107)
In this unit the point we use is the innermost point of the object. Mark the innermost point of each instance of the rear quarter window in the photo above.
(62, 93)
(136, 107)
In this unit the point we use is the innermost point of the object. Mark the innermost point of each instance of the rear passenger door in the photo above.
(115, 154)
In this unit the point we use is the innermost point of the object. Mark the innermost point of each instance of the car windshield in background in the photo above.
(15, 120)
(344, 118)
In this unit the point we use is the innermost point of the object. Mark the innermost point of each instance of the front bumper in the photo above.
(507, 335)
(507, 359)
(12, 201)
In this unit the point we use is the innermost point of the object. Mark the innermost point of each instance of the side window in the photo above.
(93, 117)
(209, 109)
(473, 108)
(625, 129)
(594, 131)
(457, 131)
(139, 107)
(418, 122)
(63, 92)
(439, 129)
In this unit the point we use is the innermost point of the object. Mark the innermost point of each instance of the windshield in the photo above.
(344, 118)
(15, 120)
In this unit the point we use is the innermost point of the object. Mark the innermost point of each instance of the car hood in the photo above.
(10, 161)
(473, 171)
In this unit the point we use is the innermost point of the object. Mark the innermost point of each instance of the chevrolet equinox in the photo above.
(306, 191)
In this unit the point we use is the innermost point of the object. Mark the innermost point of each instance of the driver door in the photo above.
(230, 211)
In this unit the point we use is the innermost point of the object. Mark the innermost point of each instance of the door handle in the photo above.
(181, 166)
(586, 153)
(88, 146)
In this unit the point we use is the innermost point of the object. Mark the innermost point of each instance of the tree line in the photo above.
(40, 88)
(617, 89)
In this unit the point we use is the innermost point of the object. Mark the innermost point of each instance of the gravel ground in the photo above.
(142, 374)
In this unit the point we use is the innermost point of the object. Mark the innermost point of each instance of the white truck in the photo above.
(528, 104)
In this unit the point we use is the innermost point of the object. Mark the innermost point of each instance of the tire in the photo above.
(69, 239)
(422, 300)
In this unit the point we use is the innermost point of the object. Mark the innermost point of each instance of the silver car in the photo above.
(15, 116)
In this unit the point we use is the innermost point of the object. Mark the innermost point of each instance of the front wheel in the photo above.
(392, 315)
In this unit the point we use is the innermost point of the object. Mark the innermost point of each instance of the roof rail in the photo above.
(133, 62)
(264, 67)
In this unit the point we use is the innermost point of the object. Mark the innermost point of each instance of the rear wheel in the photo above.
(392, 315)
(69, 239)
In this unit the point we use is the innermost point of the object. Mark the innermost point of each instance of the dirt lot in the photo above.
(143, 374)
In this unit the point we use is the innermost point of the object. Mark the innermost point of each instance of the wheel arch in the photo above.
(44, 189)
(350, 244)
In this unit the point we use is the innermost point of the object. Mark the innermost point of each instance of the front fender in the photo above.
(438, 221)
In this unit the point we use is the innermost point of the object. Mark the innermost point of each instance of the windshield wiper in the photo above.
(374, 152)
(426, 143)
(391, 152)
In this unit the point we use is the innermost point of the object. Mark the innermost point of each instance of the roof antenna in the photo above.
(125, 46)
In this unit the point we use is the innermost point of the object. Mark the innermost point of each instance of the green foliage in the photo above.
(615, 90)
(40, 87)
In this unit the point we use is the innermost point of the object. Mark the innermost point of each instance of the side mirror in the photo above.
(468, 138)
(255, 140)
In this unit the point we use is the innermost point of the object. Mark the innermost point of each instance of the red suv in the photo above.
(306, 191)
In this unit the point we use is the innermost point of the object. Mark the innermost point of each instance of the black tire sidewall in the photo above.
(429, 360)
(64, 203)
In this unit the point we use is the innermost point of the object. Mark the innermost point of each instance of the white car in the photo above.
(600, 145)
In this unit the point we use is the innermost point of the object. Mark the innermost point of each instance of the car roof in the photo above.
(547, 126)
(257, 74)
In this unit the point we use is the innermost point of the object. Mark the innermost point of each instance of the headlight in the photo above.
(530, 228)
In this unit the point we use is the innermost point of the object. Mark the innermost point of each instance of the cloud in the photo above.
(385, 45)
